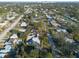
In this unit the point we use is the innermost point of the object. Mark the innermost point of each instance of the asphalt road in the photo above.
(3, 34)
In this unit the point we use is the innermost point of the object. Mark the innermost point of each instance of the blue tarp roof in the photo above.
(30, 41)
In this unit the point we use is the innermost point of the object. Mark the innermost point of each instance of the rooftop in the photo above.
(14, 36)
(23, 24)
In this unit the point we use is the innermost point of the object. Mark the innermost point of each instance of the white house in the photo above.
(23, 27)
(69, 40)
(23, 24)
(22, 30)
(14, 38)
(61, 30)
(36, 39)
(4, 24)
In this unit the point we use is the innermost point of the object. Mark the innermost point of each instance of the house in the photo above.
(23, 24)
(23, 27)
(69, 40)
(22, 30)
(61, 30)
(14, 38)
(33, 39)
(54, 23)
(4, 52)
(8, 48)
(36, 39)
(11, 15)
(10, 18)
(3, 24)
(8, 43)
(29, 42)
(2, 55)
(30, 36)
(19, 41)
(48, 17)
(25, 7)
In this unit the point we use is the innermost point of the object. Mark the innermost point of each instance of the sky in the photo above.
(36, 0)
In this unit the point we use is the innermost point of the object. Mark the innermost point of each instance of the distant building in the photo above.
(4, 52)
(11, 15)
(49, 17)
(54, 23)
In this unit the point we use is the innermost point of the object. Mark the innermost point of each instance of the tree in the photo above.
(76, 36)
(49, 55)
(34, 53)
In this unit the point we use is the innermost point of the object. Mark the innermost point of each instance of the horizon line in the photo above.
(39, 1)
